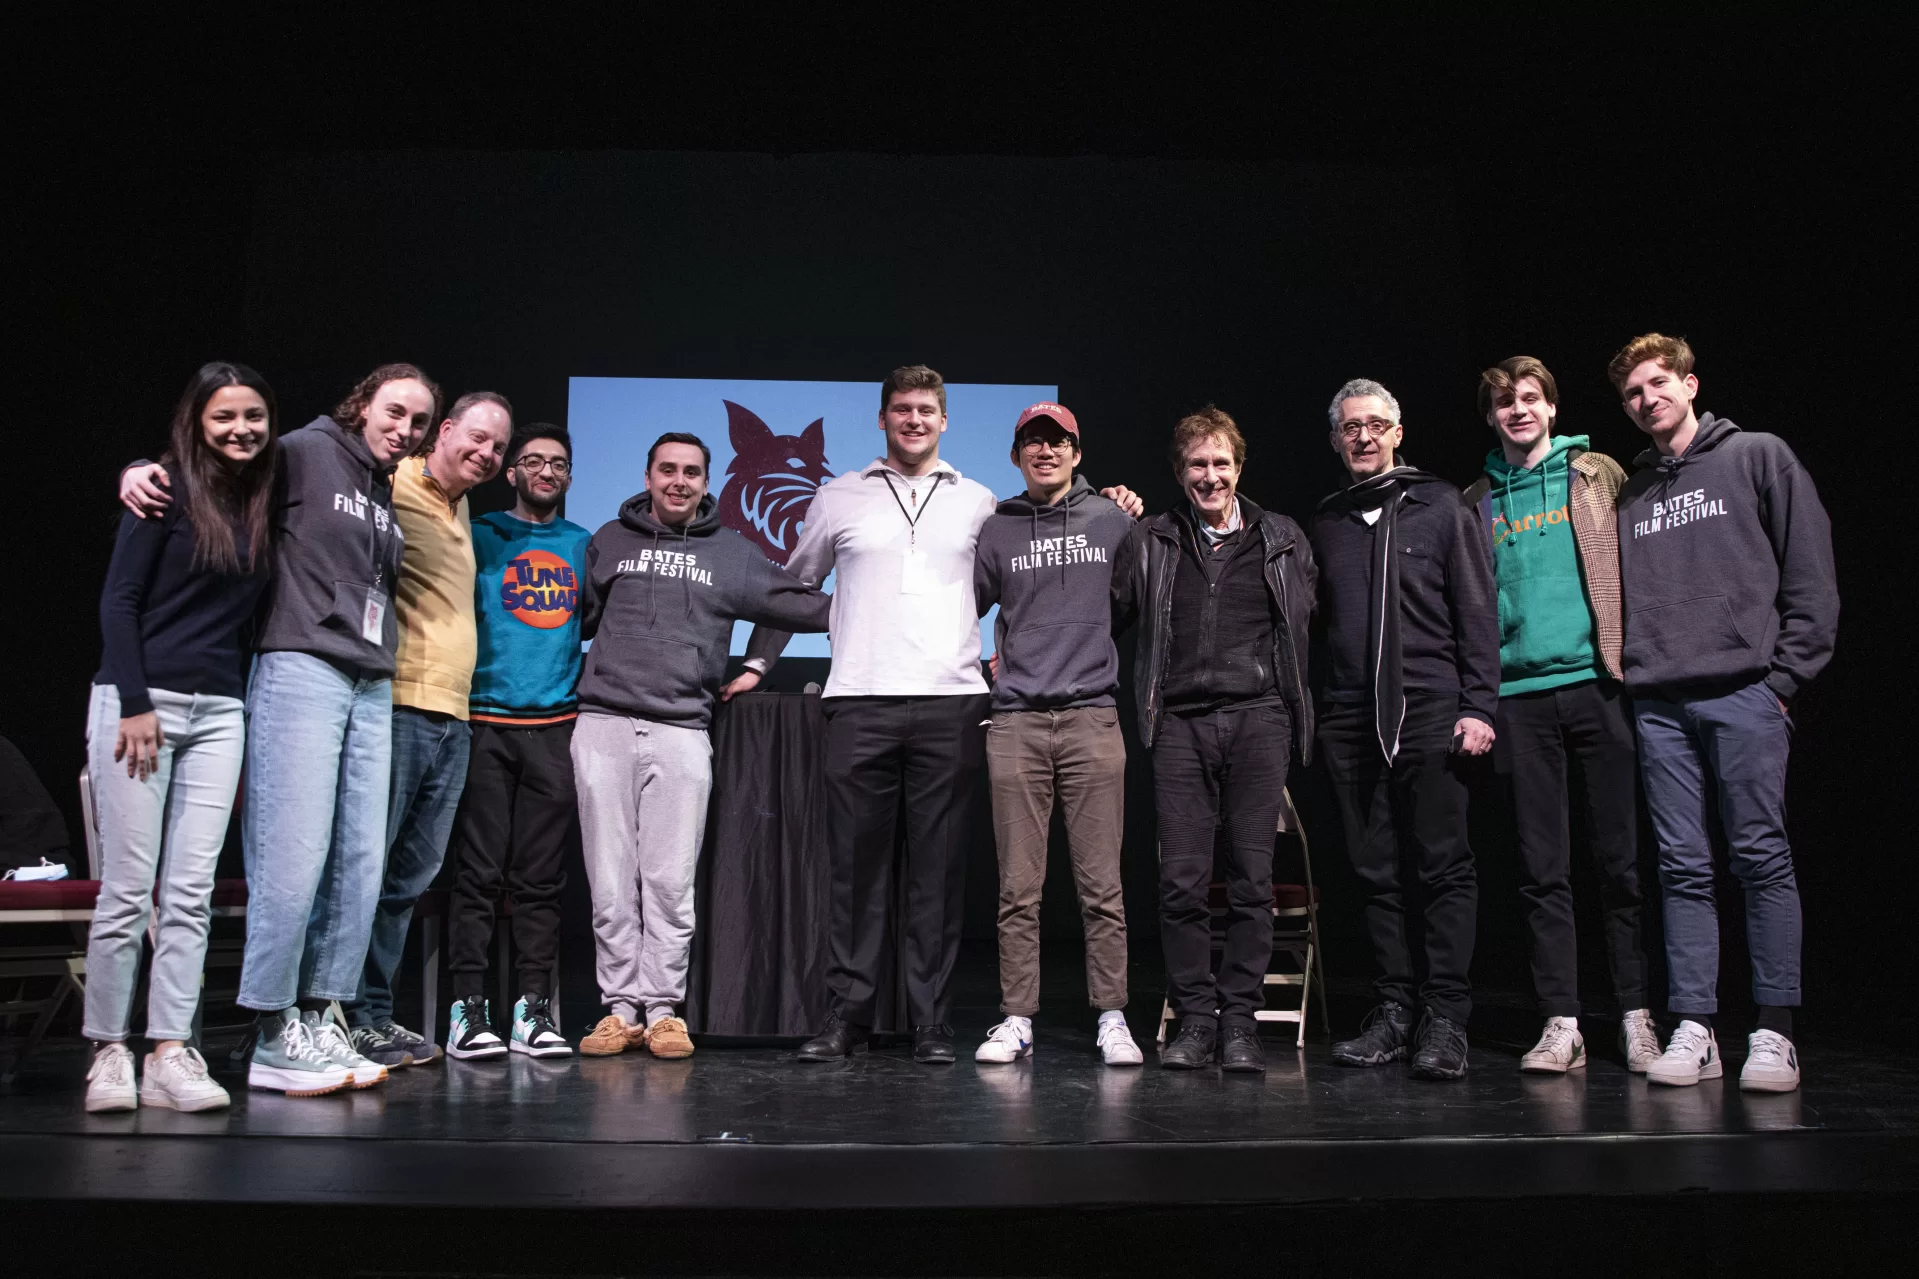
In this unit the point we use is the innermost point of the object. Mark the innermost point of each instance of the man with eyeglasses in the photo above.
(1412, 684)
(518, 809)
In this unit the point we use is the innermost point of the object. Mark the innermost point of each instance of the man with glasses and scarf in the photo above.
(1412, 630)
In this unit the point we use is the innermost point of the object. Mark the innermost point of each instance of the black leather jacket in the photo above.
(1143, 592)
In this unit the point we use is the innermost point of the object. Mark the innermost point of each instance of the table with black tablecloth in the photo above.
(760, 947)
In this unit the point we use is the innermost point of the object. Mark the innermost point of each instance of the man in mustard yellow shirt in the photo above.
(433, 674)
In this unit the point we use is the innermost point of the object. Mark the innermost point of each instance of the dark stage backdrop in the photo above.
(1143, 287)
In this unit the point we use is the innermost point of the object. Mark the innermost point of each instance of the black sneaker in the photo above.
(371, 1043)
(1383, 1037)
(415, 1044)
(933, 1045)
(1240, 1052)
(1192, 1049)
(837, 1040)
(1442, 1048)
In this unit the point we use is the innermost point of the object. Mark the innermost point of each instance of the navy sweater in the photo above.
(164, 623)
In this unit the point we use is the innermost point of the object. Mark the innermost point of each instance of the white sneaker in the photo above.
(331, 1037)
(178, 1081)
(1771, 1063)
(1560, 1049)
(1008, 1041)
(1692, 1055)
(110, 1079)
(1639, 1040)
(1116, 1046)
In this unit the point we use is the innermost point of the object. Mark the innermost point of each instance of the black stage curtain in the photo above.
(765, 879)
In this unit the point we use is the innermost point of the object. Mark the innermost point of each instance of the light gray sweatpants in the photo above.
(643, 788)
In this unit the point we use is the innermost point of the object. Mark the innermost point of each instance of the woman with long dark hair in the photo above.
(166, 731)
(320, 720)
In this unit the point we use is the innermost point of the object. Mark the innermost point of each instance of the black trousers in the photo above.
(894, 762)
(1588, 725)
(1222, 771)
(1406, 826)
(515, 819)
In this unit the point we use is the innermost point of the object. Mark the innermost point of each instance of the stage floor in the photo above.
(749, 1127)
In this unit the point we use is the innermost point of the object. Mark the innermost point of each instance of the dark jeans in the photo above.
(1589, 727)
(1222, 769)
(1407, 822)
(1727, 752)
(429, 772)
(511, 835)
(922, 754)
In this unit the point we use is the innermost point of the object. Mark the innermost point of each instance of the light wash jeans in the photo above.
(643, 788)
(319, 750)
(429, 774)
(168, 828)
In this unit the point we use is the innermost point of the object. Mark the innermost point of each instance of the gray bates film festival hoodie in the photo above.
(659, 605)
(1050, 570)
(1725, 556)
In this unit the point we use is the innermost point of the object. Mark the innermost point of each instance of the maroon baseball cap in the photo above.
(1046, 408)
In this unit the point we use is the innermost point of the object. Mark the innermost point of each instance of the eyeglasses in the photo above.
(533, 463)
(1035, 444)
(1373, 427)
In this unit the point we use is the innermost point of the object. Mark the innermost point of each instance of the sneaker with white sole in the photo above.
(178, 1080)
(417, 1048)
(110, 1079)
(373, 1044)
(1691, 1055)
(1116, 1046)
(469, 1032)
(1639, 1040)
(286, 1060)
(1560, 1049)
(331, 1036)
(1008, 1041)
(534, 1032)
(1772, 1064)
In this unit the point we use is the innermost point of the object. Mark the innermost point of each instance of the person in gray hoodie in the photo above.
(1045, 556)
(664, 584)
(1732, 608)
(319, 727)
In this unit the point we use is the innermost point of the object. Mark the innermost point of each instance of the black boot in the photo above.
(1442, 1048)
(933, 1045)
(1241, 1052)
(1384, 1037)
(839, 1039)
(1192, 1049)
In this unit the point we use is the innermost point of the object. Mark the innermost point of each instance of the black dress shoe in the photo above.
(933, 1045)
(1442, 1048)
(1241, 1051)
(838, 1041)
(1386, 1036)
(1192, 1048)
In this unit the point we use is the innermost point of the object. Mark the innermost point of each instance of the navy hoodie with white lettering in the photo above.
(335, 543)
(659, 605)
(1725, 557)
(1050, 570)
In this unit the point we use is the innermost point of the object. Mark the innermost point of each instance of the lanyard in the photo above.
(912, 520)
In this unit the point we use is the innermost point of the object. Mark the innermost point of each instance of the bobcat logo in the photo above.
(771, 480)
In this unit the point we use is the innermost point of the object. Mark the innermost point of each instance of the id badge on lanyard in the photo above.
(372, 624)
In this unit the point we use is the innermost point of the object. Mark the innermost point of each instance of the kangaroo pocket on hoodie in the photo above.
(671, 670)
(1040, 662)
(1702, 628)
(348, 614)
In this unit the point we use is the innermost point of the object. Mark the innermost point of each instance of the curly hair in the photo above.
(350, 413)
(1208, 423)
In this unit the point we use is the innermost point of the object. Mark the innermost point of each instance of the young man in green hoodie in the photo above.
(1547, 505)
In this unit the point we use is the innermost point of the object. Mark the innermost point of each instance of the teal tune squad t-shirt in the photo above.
(528, 611)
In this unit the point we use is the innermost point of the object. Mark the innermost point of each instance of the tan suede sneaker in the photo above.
(611, 1037)
(667, 1037)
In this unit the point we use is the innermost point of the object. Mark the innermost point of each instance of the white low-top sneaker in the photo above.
(178, 1081)
(1639, 1040)
(1008, 1041)
(1691, 1055)
(1560, 1049)
(1772, 1065)
(110, 1079)
(1116, 1046)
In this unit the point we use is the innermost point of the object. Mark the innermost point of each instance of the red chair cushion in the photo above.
(49, 894)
